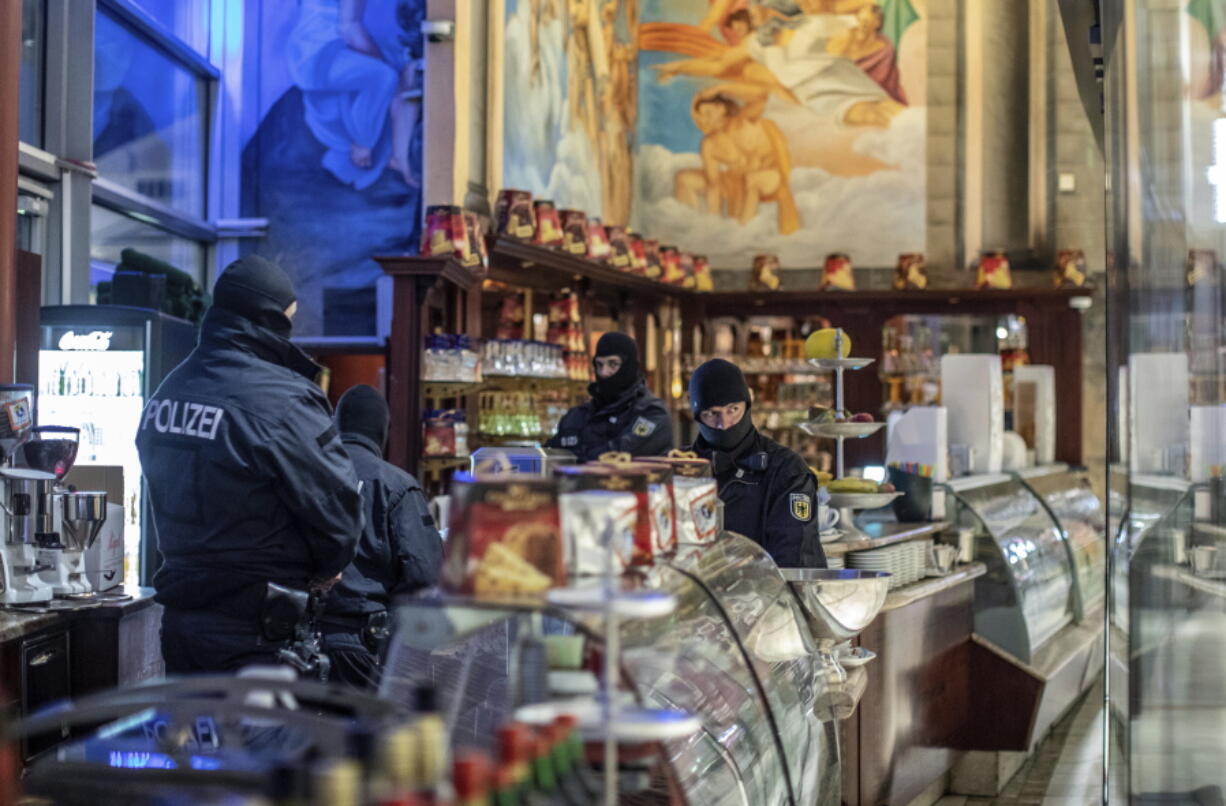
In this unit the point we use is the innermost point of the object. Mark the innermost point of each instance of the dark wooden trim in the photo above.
(29, 299)
(511, 259)
(10, 91)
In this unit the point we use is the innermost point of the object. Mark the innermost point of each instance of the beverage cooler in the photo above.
(97, 365)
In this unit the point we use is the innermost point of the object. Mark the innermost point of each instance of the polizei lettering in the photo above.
(183, 418)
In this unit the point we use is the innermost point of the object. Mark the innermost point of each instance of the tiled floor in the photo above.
(1066, 770)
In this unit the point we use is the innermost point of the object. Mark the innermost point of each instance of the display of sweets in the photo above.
(1070, 271)
(505, 539)
(837, 273)
(445, 233)
(526, 415)
(522, 358)
(670, 266)
(994, 271)
(513, 214)
(765, 275)
(598, 247)
(548, 224)
(479, 259)
(703, 281)
(695, 497)
(585, 516)
(451, 359)
(655, 532)
(574, 232)
(687, 270)
(444, 433)
(621, 250)
(911, 273)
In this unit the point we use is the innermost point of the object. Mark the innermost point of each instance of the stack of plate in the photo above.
(836, 562)
(887, 559)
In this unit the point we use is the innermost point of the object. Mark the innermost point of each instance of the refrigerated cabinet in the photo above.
(97, 365)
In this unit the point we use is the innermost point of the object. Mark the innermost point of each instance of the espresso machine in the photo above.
(23, 498)
(68, 520)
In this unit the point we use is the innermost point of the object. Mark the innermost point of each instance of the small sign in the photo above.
(93, 341)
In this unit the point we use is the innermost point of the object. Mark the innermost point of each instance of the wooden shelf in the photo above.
(430, 268)
(939, 300)
(438, 390)
(511, 261)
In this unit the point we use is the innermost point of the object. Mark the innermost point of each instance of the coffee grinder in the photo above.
(24, 494)
(70, 520)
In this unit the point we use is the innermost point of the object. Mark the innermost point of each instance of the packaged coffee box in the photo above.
(574, 232)
(687, 270)
(548, 224)
(1071, 268)
(597, 241)
(695, 496)
(994, 270)
(911, 273)
(445, 233)
(586, 515)
(654, 532)
(703, 281)
(621, 254)
(837, 273)
(513, 214)
(653, 266)
(670, 265)
(638, 254)
(505, 537)
(478, 258)
(765, 274)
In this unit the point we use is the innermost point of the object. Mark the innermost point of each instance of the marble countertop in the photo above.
(16, 623)
(933, 585)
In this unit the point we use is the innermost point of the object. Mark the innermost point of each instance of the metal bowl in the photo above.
(84, 514)
(838, 603)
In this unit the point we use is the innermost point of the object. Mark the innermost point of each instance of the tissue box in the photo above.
(972, 389)
(1043, 440)
(918, 442)
(104, 559)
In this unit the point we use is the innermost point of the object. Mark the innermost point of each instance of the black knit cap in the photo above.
(624, 347)
(256, 289)
(363, 411)
(717, 383)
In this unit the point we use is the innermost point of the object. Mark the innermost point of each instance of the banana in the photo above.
(853, 486)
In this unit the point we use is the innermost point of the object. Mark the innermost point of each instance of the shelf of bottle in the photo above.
(440, 390)
(442, 462)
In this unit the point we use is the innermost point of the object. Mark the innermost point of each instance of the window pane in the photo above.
(112, 232)
(33, 40)
(149, 119)
(186, 19)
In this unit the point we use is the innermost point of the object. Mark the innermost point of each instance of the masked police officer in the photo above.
(400, 550)
(248, 480)
(768, 491)
(622, 415)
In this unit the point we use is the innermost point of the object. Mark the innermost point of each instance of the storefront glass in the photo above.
(149, 119)
(112, 232)
(33, 45)
(188, 20)
(1166, 152)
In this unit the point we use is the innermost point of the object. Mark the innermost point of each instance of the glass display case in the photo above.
(1027, 595)
(736, 652)
(1069, 496)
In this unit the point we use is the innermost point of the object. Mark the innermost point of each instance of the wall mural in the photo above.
(788, 126)
(334, 159)
(571, 103)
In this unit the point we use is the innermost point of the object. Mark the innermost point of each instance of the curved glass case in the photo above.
(1027, 594)
(1071, 499)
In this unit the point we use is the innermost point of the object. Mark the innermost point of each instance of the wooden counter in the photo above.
(52, 656)
(905, 733)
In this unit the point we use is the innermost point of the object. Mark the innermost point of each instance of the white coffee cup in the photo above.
(827, 517)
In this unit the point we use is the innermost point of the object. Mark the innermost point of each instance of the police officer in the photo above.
(400, 550)
(248, 480)
(622, 415)
(768, 491)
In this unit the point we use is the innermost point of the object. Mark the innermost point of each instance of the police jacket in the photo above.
(400, 549)
(769, 496)
(247, 477)
(636, 423)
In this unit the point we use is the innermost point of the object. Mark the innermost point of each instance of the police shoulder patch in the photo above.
(643, 427)
(802, 507)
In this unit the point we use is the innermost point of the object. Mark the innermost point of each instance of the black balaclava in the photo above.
(362, 410)
(258, 290)
(720, 383)
(606, 390)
